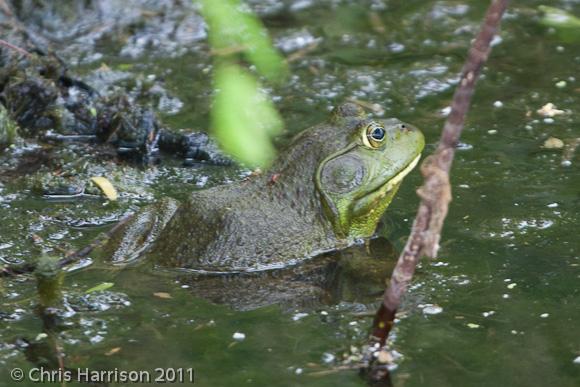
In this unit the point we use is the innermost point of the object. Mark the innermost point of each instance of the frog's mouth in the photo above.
(387, 190)
(396, 180)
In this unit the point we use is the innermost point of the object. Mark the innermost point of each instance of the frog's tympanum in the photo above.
(326, 191)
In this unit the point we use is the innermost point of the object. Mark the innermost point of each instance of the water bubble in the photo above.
(432, 309)
(328, 357)
(239, 336)
(299, 316)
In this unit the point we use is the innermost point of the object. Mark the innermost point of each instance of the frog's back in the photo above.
(245, 226)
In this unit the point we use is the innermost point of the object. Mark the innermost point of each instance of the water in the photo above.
(508, 277)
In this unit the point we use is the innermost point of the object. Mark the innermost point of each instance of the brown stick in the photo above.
(15, 48)
(435, 193)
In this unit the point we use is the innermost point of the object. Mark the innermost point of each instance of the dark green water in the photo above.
(508, 277)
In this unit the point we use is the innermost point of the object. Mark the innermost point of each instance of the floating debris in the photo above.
(549, 110)
(487, 314)
(384, 357)
(512, 285)
(100, 287)
(239, 336)
(113, 351)
(96, 339)
(473, 326)
(299, 316)
(162, 295)
(561, 84)
(553, 143)
(41, 336)
(545, 315)
(498, 104)
(432, 309)
(577, 360)
(328, 358)
(105, 185)
(463, 146)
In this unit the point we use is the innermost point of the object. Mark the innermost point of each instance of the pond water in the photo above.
(508, 278)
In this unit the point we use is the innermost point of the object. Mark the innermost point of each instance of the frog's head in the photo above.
(359, 178)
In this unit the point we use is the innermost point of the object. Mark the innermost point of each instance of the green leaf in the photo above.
(100, 287)
(566, 25)
(233, 29)
(243, 118)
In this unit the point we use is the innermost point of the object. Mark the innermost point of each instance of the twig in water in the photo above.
(15, 48)
(435, 193)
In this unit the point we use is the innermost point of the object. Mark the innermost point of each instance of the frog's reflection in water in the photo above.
(356, 274)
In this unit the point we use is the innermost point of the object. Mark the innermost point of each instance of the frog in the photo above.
(326, 191)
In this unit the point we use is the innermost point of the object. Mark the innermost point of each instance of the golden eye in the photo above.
(374, 135)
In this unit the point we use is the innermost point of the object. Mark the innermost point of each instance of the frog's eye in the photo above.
(374, 136)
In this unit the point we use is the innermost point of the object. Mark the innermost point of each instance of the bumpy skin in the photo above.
(326, 190)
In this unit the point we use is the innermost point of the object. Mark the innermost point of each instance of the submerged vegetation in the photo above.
(8, 128)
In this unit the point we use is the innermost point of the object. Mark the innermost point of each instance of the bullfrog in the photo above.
(326, 191)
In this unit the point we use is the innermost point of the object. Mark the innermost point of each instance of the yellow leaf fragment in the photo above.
(113, 351)
(163, 295)
(553, 143)
(105, 185)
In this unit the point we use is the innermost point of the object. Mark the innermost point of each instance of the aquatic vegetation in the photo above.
(8, 128)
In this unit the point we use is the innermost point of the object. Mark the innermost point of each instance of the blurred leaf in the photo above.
(100, 287)
(243, 118)
(566, 26)
(234, 29)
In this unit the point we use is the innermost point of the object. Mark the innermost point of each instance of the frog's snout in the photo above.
(406, 128)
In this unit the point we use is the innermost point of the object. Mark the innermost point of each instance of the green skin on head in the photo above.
(327, 189)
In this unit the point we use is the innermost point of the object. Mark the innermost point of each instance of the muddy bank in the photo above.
(43, 99)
